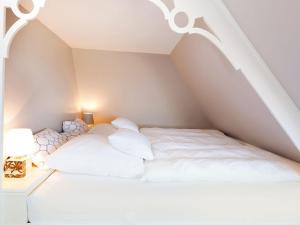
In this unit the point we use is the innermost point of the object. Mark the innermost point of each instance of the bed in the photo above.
(84, 199)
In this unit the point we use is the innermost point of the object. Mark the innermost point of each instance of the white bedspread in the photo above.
(81, 199)
(181, 155)
(209, 155)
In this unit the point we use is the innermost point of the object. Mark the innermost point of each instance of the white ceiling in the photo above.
(115, 25)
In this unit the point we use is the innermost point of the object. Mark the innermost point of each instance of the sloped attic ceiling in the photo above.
(229, 101)
(285, 133)
(226, 98)
(114, 25)
(273, 28)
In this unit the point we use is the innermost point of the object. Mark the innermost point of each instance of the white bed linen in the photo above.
(172, 139)
(92, 154)
(104, 129)
(81, 199)
(209, 155)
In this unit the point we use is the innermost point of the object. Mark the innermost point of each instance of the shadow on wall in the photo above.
(226, 97)
(146, 88)
(41, 89)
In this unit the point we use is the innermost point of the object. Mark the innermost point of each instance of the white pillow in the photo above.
(125, 123)
(105, 129)
(91, 154)
(132, 143)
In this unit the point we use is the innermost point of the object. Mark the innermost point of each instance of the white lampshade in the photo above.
(18, 142)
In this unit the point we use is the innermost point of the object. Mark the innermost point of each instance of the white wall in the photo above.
(273, 27)
(227, 99)
(144, 87)
(41, 89)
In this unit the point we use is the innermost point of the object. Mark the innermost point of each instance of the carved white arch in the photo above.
(190, 29)
(242, 55)
(23, 19)
(5, 42)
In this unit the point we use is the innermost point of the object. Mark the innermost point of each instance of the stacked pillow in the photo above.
(48, 141)
(69, 135)
(129, 140)
(74, 128)
(91, 154)
(116, 149)
(124, 123)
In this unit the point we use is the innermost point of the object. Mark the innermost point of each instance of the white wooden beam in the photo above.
(5, 41)
(229, 38)
(2, 76)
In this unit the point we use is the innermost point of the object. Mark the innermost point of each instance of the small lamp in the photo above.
(88, 118)
(18, 144)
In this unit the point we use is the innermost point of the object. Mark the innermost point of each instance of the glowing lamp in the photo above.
(88, 118)
(18, 144)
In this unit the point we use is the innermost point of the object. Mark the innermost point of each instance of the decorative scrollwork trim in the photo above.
(20, 23)
(190, 29)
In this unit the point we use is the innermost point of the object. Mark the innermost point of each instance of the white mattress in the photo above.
(81, 199)
(208, 155)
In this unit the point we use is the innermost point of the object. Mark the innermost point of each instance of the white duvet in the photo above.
(209, 155)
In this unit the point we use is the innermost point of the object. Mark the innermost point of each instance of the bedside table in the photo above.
(14, 194)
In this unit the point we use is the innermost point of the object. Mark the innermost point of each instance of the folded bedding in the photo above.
(220, 170)
(132, 143)
(179, 155)
(91, 154)
(207, 155)
(189, 139)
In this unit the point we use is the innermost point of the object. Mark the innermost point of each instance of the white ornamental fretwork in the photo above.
(190, 29)
(23, 19)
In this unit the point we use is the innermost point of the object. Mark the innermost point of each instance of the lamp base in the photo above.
(15, 167)
(90, 126)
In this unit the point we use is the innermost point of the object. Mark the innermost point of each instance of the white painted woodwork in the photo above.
(256, 70)
(234, 44)
(5, 41)
(14, 194)
(2, 76)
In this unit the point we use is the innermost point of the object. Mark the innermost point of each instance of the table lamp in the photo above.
(88, 118)
(18, 144)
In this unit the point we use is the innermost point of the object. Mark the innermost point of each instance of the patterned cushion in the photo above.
(75, 127)
(46, 142)
(69, 135)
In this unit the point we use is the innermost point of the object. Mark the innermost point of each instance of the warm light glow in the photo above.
(18, 142)
(89, 106)
(88, 118)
